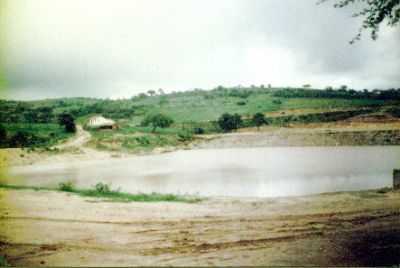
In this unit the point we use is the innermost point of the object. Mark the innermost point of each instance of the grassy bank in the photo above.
(103, 191)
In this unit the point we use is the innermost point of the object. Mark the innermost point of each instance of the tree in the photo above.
(68, 122)
(151, 92)
(259, 120)
(228, 122)
(373, 13)
(3, 134)
(157, 120)
(20, 139)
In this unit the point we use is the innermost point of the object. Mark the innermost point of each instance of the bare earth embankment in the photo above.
(50, 229)
(345, 133)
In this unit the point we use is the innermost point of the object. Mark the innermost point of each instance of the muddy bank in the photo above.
(353, 228)
(343, 133)
(300, 137)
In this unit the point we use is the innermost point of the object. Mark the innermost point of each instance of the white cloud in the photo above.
(119, 48)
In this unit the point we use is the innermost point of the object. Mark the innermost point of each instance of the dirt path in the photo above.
(81, 137)
(53, 229)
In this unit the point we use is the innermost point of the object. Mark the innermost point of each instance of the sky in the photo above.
(117, 49)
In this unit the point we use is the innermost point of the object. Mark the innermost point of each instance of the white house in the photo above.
(101, 122)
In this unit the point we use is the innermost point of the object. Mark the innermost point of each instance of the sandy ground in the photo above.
(60, 229)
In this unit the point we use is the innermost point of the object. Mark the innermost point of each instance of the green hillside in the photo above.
(191, 111)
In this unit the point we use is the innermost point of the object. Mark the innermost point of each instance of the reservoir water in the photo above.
(244, 172)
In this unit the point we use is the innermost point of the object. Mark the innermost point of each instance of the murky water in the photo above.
(245, 172)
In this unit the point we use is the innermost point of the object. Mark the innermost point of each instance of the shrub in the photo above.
(102, 188)
(25, 139)
(3, 133)
(66, 186)
(68, 122)
(258, 119)
(157, 120)
(143, 140)
(185, 136)
(228, 122)
(198, 130)
(241, 103)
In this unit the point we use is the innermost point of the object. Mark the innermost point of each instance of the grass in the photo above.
(137, 139)
(50, 133)
(101, 190)
(3, 262)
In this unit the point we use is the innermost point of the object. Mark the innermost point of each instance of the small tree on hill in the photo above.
(20, 139)
(68, 122)
(228, 122)
(259, 120)
(3, 134)
(157, 120)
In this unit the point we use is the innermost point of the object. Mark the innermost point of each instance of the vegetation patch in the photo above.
(101, 190)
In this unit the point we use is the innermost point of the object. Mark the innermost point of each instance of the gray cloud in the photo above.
(117, 49)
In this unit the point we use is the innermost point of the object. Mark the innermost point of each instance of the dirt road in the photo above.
(53, 229)
(81, 137)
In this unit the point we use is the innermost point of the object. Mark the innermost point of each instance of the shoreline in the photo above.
(310, 135)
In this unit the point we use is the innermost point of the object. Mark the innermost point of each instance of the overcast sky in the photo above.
(119, 48)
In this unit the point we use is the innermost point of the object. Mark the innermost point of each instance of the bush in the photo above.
(103, 188)
(3, 133)
(198, 130)
(241, 103)
(228, 122)
(25, 139)
(68, 122)
(258, 119)
(143, 140)
(157, 120)
(185, 136)
(66, 186)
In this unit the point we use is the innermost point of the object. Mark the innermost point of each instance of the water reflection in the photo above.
(257, 172)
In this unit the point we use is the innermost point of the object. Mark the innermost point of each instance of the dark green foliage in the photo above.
(343, 93)
(241, 103)
(373, 12)
(157, 120)
(102, 188)
(395, 111)
(143, 140)
(259, 119)
(228, 122)
(3, 134)
(185, 136)
(66, 186)
(25, 139)
(3, 261)
(198, 130)
(68, 122)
